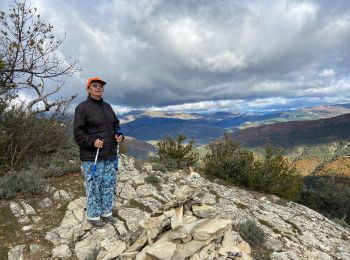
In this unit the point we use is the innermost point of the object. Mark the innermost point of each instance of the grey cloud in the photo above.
(160, 53)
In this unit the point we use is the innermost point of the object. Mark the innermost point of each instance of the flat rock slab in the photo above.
(211, 229)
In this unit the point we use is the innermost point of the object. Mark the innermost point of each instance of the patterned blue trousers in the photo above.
(100, 191)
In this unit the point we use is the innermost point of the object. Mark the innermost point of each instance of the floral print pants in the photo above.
(100, 190)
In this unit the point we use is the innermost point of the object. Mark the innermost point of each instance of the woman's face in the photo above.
(96, 90)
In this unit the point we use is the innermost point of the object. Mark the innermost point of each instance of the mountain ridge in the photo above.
(287, 134)
(207, 127)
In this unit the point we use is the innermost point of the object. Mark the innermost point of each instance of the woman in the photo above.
(96, 131)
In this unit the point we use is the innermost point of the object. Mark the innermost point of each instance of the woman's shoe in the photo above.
(110, 219)
(97, 223)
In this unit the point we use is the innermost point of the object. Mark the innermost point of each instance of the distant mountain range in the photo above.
(148, 125)
(289, 134)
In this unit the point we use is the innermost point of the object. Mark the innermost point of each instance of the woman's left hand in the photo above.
(119, 138)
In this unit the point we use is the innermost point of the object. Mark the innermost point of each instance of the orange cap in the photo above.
(95, 79)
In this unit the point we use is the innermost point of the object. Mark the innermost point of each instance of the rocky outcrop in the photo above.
(187, 217)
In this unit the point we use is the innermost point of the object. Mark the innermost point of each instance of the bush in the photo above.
(227, 161)
(251, 233)
(30, 181)
(159, 167)
(174, 154)
(275, 175)
(152, 179)
(328, 195)
(25, 136)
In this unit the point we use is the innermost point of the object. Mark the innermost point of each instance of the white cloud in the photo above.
(327, 73)
(222, 62)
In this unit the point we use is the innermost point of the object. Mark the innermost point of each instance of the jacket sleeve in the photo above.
(81, 136)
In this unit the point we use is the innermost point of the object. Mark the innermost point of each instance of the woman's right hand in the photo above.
(98, 143)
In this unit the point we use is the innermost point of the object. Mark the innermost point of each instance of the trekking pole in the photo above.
(89, 181)
(94, 167)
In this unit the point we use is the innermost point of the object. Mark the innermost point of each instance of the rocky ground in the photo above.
(176, 216)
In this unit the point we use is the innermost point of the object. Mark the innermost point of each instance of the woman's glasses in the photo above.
(96, 85)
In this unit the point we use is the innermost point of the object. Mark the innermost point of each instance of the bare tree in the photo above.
(29, 56)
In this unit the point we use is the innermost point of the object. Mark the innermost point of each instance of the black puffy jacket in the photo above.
(95, 119)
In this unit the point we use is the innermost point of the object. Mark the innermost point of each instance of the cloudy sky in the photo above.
(206, 55)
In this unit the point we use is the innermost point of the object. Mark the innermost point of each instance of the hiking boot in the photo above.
(96, 223)
(110, 219)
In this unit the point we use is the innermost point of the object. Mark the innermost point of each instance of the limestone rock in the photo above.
(61, 252)
(155, 225)
(284, 256)
(61, 195)
(151, 203)
(50, 189)
(46, 203)
(244, 247)
(185, 230)
(207, 198)
(138, 244)
(203, 211)
(146, 190)
(71, 223)
(27, 228)
(111, 248)
(187, 249)
(23, 219)
(16, 209)
(139, 180)
(128, 256)
(211, 229)
(92, 244)
(185, 192)
(128, 192)
(132, 217)
(121, 229)
(244, 256)
(34, 248)
(176, 219)
(36, 219)
(16, 253)
(195, 180)
(29, 210)
(162, 251)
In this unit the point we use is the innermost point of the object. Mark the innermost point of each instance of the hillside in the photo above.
(181, 216)
(139, 149)
(289, 134)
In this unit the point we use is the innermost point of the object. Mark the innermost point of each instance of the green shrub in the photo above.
(152, 179)
(251, 233)
(30, 181)
(159, 167)
(275, 175)
(227, 161)
(24, 136)
(328, 195)
(174, 154)
(64, 161)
